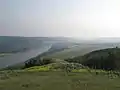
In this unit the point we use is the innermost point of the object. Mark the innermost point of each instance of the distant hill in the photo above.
(13, 44)
(18, 44)
(108, 59)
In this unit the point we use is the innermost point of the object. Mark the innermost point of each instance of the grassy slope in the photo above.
(56, 81)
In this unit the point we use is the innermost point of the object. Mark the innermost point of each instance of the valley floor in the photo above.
(54, 80)
(4, 54)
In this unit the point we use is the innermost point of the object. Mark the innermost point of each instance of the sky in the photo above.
(52, 18)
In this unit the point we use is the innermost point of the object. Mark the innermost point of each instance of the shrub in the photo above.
(38, 62)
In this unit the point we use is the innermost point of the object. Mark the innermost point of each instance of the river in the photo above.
(21, 57)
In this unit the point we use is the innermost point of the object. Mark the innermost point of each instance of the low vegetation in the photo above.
(42, 78)
(38, 62)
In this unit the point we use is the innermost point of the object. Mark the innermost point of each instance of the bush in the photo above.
(38, 62)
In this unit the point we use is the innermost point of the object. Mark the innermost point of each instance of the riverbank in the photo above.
(9, 60)
(5, 54)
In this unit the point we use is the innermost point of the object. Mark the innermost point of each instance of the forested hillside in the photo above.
(108, 59)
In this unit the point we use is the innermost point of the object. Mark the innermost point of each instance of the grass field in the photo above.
(56, 80)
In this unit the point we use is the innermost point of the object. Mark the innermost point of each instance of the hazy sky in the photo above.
(74, 18)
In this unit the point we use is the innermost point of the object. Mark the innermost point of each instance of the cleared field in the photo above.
(75, 51)
(56, 81)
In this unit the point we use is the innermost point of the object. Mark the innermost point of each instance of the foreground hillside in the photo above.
(50, 80)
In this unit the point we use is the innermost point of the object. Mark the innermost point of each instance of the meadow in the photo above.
(43, 78)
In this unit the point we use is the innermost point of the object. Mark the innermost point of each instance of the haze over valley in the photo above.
(59, 44)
